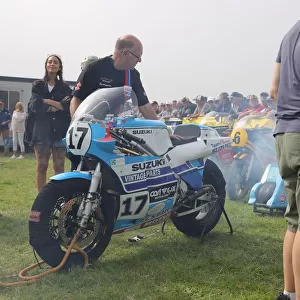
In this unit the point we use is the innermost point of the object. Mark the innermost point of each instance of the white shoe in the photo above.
(13, 156)
(20, 157)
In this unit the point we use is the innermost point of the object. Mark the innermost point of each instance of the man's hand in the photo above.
(147, 111)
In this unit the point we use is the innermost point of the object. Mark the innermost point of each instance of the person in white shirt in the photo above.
(18, 129)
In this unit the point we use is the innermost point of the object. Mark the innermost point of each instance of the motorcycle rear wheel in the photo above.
(195, 228)
(56, 207)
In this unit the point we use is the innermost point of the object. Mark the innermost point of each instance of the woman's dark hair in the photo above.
(59, 73)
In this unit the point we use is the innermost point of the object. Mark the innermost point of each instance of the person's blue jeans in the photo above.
(5, 136)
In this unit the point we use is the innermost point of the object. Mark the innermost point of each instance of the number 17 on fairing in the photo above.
(78, 138)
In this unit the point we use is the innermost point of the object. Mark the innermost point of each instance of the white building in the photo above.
(15, 89)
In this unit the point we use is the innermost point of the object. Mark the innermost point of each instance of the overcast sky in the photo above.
(190, 47)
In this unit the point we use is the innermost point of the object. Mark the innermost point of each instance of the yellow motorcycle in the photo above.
(222, 124)
(253, 145)
(219, 121)
(189, 120)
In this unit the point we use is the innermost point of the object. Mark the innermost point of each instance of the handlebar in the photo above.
(133, 138)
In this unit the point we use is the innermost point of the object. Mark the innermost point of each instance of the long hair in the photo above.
(59, 74)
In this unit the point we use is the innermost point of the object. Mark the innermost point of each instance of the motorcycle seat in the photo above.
(186, 140)
(188, 131)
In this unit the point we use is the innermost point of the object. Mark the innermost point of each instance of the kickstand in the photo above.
(227, 218)
(163, 225)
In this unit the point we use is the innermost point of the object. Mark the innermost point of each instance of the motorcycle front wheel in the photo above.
(53, 223)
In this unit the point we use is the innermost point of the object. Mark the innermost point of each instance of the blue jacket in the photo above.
(5, 115)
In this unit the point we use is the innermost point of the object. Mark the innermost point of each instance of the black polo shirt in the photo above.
(102, 74)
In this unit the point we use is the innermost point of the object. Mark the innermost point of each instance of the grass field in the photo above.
(247, 265)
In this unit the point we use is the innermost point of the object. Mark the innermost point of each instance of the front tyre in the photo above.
(238, 187)
(209, 216)
(52, 223)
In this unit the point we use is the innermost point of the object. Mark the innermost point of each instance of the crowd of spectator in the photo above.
(234, 105)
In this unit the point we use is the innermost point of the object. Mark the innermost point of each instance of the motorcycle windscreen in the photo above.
(106, 101)
(214, 118)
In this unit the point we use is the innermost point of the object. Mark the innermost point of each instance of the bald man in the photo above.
(110, 72)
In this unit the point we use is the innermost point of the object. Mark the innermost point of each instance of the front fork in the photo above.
(91, 201)
(247, 178)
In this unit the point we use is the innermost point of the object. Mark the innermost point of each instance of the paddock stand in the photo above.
(226, 218)
(140, 236)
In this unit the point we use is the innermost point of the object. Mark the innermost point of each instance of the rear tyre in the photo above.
(211, 215)
(52, 223)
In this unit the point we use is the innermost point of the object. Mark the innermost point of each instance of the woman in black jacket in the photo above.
(49, 110)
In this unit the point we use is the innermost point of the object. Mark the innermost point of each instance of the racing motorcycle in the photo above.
(220, 123)
(253, 145)
(131, 175)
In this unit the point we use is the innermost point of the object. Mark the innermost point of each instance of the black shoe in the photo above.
(283, 297)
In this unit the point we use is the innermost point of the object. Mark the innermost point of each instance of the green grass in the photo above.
(247, 265)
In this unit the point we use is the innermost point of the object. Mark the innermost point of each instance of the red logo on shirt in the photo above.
(78, 86)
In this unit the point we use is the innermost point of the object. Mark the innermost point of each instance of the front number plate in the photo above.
(78, 138)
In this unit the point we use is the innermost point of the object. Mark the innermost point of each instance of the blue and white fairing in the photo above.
(149, 184)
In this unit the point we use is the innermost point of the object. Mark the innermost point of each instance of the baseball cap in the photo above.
(200, 98)
(264, 94)
(88, 60)
(211, 99)
(168, 103)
